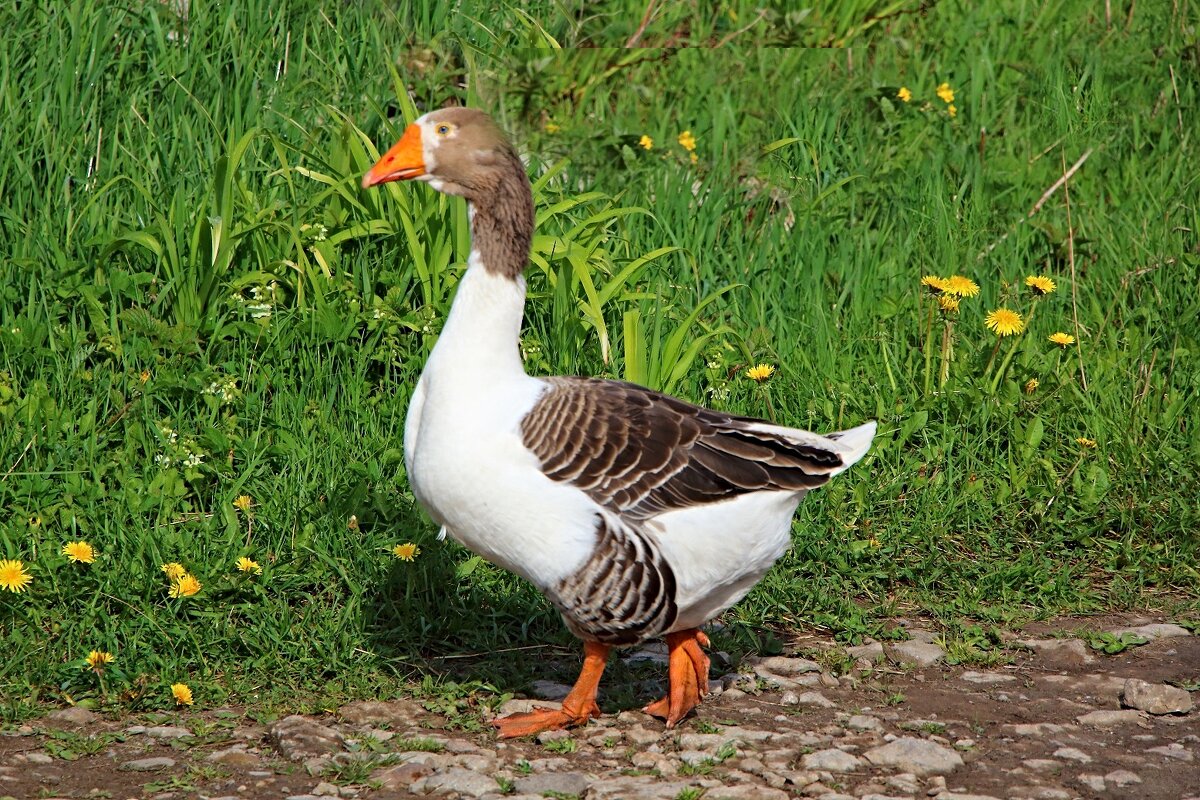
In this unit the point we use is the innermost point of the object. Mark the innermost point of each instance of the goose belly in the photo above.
(718, 552)
(472, 473)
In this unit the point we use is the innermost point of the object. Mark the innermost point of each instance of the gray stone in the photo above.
(38, 757)
(1036, 728)
(871, 652)
(561, 782)
(1041, 764)
(392, 713)
(168, 732)
(1061, 651)
(745, 792)
(815, 699)
(148, 764)
(961, 796)
(1155, 698)
(970, 676)
(918, 756)
(457, 779)
(1174, 751)
(402, 776)
(641, 787)
(326, 788)
(298, 738)
(1122, 777)
(864, 722)
(75, 715)
(1072, 754)
(641, 735)
(832, 760)
(919, 654)
(1093, 782)
(1157, 630)
(235, 756)
(785, 666)
(1110, 719)
(549, 690)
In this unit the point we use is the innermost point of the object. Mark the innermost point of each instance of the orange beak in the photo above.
(404, 161)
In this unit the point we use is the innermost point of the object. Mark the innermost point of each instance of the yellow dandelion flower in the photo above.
(963, 287)
(406, 552)
(904, 94)
(687, 141)
(97, 660)
(934, 284)
(945, 93)
(1085, 443)
(173, 570)
(80, 552)
(1004, 322)
(952, 110)
(948, 302)
(242, 503)
(1061, 339)
(1031, 385)
(552, 127)
(646, 143)
(185, 585)
(1040, 284)
(35, 521)
(144, 375)
(248, 565)
(693, 158)
(760, 373)
(13, 576)
(183, 695)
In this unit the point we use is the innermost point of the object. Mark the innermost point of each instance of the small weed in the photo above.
(895, 699)
(560, 746)
(417, 743)
(356, 770)
(704, 726)
(523, 767)
(690, 793)
(506, 786)
(560, 795)
(69, 745)
(726, 751)
(690, 770)
(1110, 643)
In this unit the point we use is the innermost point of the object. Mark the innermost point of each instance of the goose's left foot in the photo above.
(578, 707)
(687, 676)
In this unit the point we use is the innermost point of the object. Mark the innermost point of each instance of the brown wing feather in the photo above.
(640, 452)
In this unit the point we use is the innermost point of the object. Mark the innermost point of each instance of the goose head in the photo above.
(461, 151)
(458, 151)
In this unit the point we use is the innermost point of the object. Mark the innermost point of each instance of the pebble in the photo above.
(919, 756)
(1155, 698)
(299, 738)
(832, 760)
(1110, 719)
(971, 676)
(917, 654)
(167, 732)
(148, 764)
(1073, 754)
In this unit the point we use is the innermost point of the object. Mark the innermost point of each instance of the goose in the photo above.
(638, 515)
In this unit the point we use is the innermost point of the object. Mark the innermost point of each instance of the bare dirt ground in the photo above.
(1054, 723)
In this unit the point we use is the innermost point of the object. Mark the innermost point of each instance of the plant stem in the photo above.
(947, 352)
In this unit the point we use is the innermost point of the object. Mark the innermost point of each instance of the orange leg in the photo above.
(687, 676)
(578, 707)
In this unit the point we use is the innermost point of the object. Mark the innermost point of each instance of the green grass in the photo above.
(199, 303)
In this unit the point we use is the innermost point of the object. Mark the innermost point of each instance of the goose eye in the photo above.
(443, 130)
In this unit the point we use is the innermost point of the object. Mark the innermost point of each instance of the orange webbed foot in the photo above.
(529, 723)
(578, 707)
(687, 677)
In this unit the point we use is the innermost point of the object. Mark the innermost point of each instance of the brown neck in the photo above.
(502, 226)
